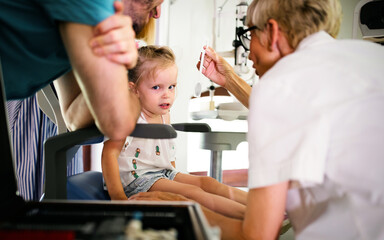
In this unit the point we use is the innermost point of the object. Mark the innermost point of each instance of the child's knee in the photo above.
(207, 182)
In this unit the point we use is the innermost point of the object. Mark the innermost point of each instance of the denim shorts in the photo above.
(144, 182)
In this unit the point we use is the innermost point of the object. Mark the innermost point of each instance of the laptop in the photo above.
(63, 219)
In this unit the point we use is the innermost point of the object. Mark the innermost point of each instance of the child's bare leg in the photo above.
(213, 186)
(214, 202)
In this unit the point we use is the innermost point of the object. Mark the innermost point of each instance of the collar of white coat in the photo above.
(315, 39)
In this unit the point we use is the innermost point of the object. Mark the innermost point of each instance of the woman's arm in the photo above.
(219, 71)
(263, 217)
(265, 211)
(111, 174)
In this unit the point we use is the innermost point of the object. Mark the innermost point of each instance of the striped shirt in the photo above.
(29, 128)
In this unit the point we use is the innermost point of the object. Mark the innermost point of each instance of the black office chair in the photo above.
(59, 151)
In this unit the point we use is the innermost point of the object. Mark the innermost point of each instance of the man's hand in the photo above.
(158, 196)
(115, 38)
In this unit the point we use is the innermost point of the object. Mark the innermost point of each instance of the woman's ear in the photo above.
(273, 34)
(278, 39)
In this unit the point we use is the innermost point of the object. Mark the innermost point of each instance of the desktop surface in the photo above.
(63, 220)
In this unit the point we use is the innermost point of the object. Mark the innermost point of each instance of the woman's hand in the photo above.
(221, 72)
(115, 38)
(215, 67)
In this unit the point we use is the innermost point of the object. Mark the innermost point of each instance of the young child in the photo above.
(140, 165)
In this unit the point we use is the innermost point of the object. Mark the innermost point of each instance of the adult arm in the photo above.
(263, 217)
(112, 38)
(111, 174)
(219, 71)
(101, 92)
(265, 211)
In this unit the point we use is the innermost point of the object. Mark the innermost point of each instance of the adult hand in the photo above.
(115, 38)
(215, 67)
(221, 72)
(158, 196)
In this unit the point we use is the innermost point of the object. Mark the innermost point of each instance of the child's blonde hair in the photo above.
(297, 18)
(151, 59)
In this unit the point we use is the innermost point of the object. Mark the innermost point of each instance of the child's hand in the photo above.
(115, 38)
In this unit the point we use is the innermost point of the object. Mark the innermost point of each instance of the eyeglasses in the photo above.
(245, 36)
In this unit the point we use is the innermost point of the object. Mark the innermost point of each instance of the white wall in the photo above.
(189, 24)
(346, 25)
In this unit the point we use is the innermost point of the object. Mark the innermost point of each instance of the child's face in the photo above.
(157, 95)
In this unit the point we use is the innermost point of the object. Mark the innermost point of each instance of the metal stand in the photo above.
(217, 142)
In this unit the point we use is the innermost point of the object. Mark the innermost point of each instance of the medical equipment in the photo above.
(241, 54)
(198, 85)
(368, 17)
(211, 94)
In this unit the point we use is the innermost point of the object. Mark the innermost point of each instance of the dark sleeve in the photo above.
(89, 12)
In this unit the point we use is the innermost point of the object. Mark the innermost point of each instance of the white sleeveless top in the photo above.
(141, 155)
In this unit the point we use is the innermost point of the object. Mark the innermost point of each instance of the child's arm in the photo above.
(167, 120)
(111, 152)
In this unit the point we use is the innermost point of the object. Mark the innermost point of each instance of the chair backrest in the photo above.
(58, 152)
(61, 149)
(49, 104)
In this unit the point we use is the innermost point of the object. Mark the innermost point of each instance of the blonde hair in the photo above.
(148, 32)
(297, 18)
(151, 59)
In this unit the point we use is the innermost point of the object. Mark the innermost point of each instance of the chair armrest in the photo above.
(60, 149)
(154, 131)
(192, 127)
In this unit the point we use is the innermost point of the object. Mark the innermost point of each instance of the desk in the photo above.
(218, 142)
